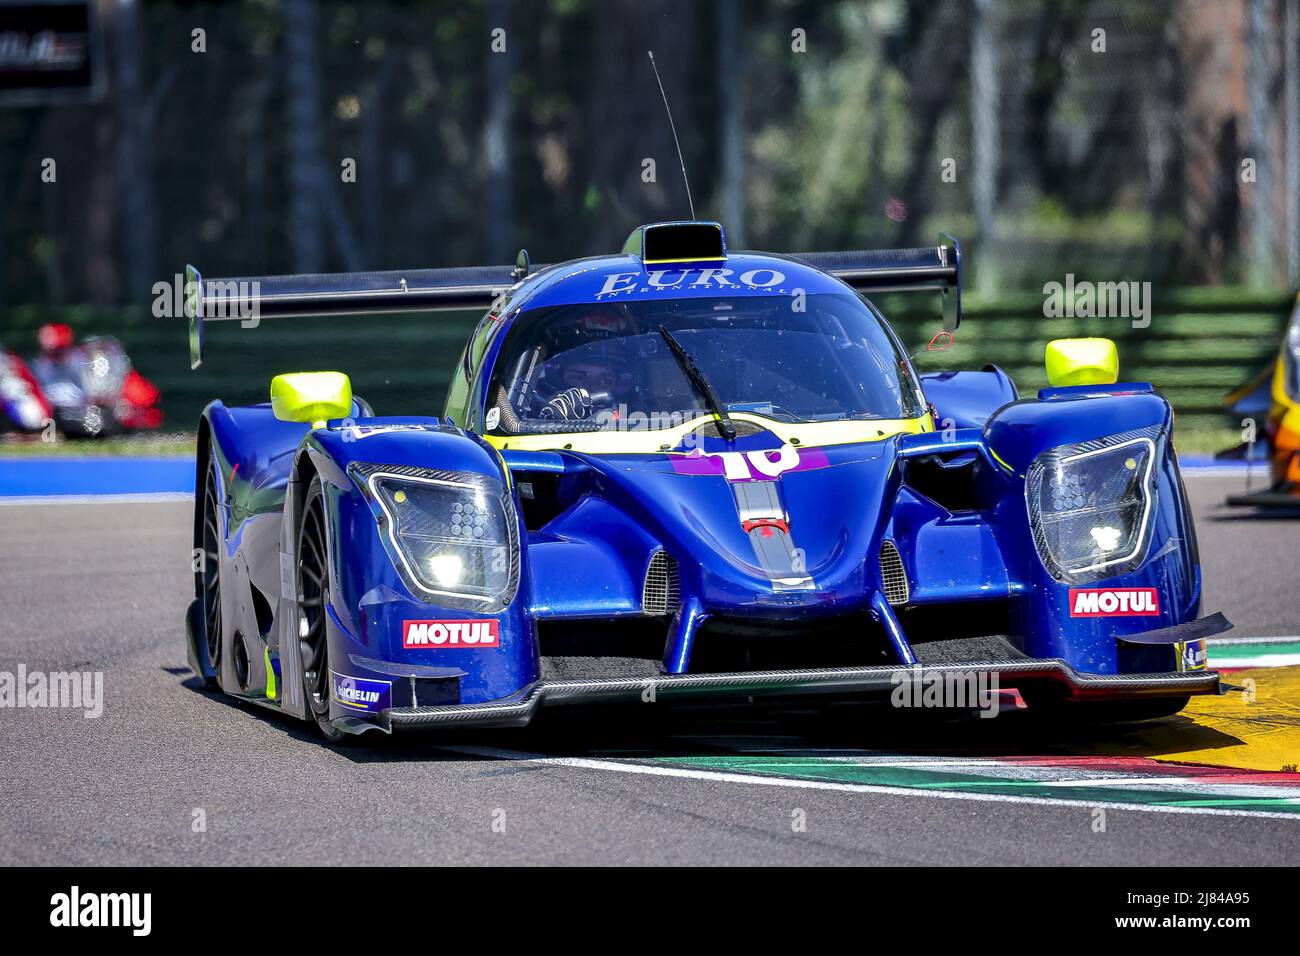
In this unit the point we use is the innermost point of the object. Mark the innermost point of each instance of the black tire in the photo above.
(313, 594)
(209, 579)
(1091, 712)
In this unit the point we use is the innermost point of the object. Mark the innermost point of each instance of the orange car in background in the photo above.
(1275, 392)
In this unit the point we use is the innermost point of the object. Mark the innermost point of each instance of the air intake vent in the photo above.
(663, 587)
(677, 242)
(892, 576)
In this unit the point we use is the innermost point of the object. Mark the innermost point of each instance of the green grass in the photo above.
(1204, 439)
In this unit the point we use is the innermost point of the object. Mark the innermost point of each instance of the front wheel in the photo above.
(313, 595)
(209, 578)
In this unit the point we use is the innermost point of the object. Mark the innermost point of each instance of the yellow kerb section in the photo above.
(1255, 726)
(1258, 729)
(652, 441)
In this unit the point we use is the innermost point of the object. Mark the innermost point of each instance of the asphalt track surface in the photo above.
(94, 586)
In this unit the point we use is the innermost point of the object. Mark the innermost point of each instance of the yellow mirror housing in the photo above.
(312, 397)
(1082, 362)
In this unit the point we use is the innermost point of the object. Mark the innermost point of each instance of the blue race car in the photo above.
(681, 473)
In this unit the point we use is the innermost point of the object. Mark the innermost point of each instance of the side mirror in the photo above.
(952, 297)
(313, 397)
(523, 266)
(941, 342)
(1082, 362)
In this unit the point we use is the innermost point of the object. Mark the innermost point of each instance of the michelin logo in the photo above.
(1192, 655)
(358, 693)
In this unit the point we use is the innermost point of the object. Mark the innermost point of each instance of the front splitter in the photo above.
(864, 682)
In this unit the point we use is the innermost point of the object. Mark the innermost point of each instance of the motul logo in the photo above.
(482, 633)
(1120, 602)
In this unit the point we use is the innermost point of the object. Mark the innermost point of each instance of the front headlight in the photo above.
(1090, 505)
(453, 533)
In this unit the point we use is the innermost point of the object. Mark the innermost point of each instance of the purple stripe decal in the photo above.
(750, 465)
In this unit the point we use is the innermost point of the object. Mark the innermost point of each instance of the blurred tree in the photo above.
(804, 124)
(306, 178)
(1211, 53)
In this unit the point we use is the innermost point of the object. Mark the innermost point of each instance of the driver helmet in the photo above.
(584, 352)
(598, 368)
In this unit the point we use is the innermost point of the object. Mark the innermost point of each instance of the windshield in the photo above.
(604, 366)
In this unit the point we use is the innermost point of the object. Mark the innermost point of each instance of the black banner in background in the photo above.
(129, 906)
(49, 53)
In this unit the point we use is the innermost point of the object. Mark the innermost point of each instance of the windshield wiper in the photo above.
(696, 378)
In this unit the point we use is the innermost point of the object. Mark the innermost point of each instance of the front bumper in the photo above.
(861, 682)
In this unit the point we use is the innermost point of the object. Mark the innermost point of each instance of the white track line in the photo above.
(145, 498)
(1222, 641)
(893, 763)
(753, 780)
(1279, 659)
(1253, 663)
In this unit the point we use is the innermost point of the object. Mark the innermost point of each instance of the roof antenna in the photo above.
(673, 127)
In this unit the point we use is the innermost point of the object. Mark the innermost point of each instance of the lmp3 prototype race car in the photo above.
(685, 474)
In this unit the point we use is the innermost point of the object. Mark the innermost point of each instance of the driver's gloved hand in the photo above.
(572, 404)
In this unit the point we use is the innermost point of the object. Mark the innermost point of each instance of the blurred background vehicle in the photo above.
(92, 388)
(1273, 397)
(23, 406)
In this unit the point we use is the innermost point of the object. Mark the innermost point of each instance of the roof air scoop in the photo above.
(676, 242)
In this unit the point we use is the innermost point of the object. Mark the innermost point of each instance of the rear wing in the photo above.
(249, 299)
(899, 270)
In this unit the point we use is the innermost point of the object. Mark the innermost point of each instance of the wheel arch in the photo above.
(293, 700)
(200, 658)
